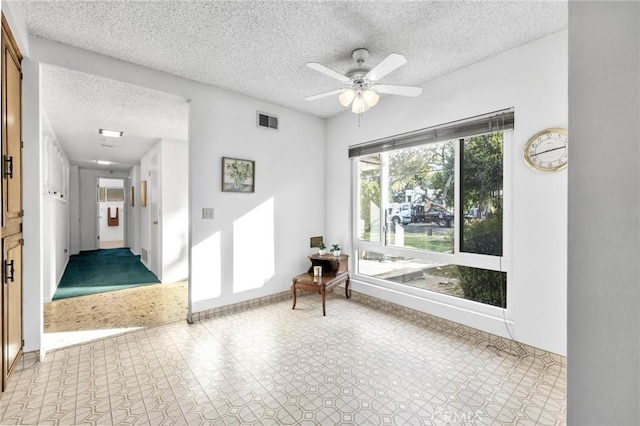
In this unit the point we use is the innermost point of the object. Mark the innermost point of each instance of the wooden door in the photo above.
(11, 138)
(11, 221)
(12, 302)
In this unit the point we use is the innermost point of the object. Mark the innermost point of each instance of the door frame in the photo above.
(124, 215)
(155, 216)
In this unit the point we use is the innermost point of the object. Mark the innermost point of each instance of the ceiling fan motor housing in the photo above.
(357, 76)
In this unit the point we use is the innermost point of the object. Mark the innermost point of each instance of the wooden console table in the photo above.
(335, 270)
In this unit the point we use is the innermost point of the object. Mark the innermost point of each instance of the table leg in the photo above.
(324, 300)
(346, 288)
(293, 293)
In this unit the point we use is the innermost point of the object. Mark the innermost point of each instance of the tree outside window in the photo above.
(419, 209)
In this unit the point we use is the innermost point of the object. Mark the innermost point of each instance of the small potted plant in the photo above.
(322, 249)
(335, 248)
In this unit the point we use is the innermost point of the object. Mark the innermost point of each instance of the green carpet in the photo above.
(99, 271)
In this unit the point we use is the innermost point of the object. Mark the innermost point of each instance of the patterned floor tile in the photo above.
(262, 367)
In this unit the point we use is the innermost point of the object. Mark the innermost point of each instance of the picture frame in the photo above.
(143, 193)
(238, 175)
(132, 197)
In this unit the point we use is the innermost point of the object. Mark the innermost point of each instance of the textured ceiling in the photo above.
(78, 104)
(260, 48)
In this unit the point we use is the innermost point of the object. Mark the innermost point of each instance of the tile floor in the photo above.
(273, 365)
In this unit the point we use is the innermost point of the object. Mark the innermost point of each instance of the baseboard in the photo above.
(240, 306)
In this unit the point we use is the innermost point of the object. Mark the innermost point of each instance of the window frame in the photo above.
(483, 261)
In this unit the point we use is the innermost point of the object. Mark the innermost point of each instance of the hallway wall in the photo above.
(133, 230)
(74, 210)
(174, 175)
(55, 203)
(173, 199)
(148, 257)
(56, 240)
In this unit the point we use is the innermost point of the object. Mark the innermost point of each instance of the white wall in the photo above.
(133, 230)
(603, 373)
(32, 254)
(55, 239)
(145, 212)
(174, 176)
(280, 216)
(55, 204)
(536, 298)
(172, 158)
(88, 200)
(74, 210)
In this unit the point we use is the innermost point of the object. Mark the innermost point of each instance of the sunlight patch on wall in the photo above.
(206, 275)
(254, 248)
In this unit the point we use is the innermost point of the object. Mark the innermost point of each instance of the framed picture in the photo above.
(143, 193)
(238, 175)
(132, 197)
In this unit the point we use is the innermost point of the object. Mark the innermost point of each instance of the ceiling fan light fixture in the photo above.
(346, 97)
(359, 105)
(371, 97)
(362, 90)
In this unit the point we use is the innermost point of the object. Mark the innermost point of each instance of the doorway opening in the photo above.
(126, 195)
(111, 213)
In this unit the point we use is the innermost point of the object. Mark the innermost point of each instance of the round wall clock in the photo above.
(548, 150)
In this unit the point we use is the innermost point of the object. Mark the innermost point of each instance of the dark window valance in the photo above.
(473, 126)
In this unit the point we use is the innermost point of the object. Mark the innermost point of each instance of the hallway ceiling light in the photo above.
(110, 133)
(103, 162)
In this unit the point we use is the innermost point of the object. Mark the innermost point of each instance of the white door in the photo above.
(111, 213)
(155, 258)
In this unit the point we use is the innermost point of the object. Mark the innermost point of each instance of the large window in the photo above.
(429, 210)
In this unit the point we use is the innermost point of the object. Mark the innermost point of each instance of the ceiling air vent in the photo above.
(267, 121)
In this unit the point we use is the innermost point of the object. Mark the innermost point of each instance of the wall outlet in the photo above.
(207, 213)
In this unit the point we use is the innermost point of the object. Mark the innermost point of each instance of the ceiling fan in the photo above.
(361, 87)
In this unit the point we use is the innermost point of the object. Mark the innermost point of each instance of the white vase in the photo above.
(322, 251)
(336, 252)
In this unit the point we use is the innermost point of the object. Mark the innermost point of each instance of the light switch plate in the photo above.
(207, 213)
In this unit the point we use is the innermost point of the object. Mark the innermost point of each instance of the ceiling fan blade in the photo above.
(388, 64)
(394, 89)
(323, 95)
(327, 71)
